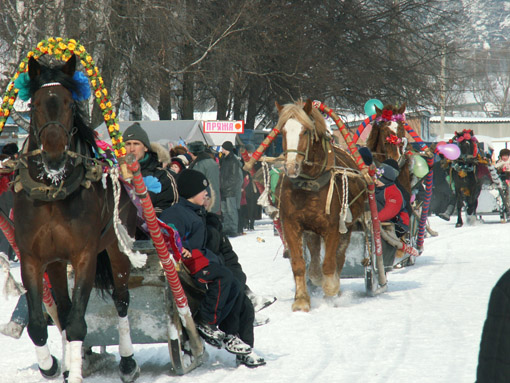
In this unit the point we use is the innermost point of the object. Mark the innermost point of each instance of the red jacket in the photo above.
(393, 204)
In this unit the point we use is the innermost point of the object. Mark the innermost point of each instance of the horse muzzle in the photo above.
(292, 169)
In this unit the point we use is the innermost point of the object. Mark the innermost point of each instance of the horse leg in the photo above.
(32, 277)
(331, 279)
(128, 368)
(342, 249)
(76, 327)
(460, 204)
(313, 242)
(57, 273)
(293, 235)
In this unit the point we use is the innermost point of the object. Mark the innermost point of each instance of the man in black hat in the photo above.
(231, 184)
(205, 163)
(159, 181)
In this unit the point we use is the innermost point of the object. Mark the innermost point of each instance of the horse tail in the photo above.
(104, 275)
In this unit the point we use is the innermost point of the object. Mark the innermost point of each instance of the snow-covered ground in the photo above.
(425, 328)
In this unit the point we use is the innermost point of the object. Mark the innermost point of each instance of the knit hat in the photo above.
(250, 148)
(191, 182)
(196, 147)
(227, 145)
(389, 174)
(178, 161)
(393, 164)
(185, 159)
(136, 132)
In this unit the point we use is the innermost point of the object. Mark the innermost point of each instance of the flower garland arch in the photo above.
(63, 49)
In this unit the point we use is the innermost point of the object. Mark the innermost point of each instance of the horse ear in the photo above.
(278, 106)
(402, 109)
(377, 110)
(70, 66)
(34, 68)
(308, 107)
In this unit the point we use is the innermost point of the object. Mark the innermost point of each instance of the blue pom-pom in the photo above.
(22, 83)
(83, 86)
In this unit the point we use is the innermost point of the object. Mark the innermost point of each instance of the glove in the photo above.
(152, 184)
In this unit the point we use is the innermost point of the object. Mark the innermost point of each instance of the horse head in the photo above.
(467, 142)
(302, 126)
(53, 114)
(387, 136)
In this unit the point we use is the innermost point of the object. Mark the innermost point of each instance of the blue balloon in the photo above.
(370, 106)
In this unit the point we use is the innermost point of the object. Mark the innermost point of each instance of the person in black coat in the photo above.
(494, 355)
(231, 183)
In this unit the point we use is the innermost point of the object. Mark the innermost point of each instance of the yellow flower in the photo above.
(43, 50)
(93, 82)
(21, 66)
(121, 139)
(62, 46)
(105, 92)
(59, 38)
(58, 51)
(6, 112)
(51, 40)
(5, 99)
(88, 58)
(40, 45)
(81, 48)
(114, 115)
(71, 46)
(111, 129)
(116, 126)
(66, 57)
(114, 141)
(101, 80)
(30, 54)
(11, 85)
(109, 104)
(123, 151)
(16, 75)
(72, 41)
(83, 63)
(89, 72)
(106, 117)
(11, 101)
(50, 51)
(102, 106)
(98, 94)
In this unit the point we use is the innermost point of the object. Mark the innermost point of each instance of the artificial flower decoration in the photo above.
(387, 114)
(63, 49)
(394, 140)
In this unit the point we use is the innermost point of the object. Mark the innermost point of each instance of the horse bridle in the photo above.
(37, 131)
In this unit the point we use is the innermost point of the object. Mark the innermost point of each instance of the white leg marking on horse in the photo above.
(44, 358)
(75, 360)
(66, 362)
(292, 129)
(125, 344)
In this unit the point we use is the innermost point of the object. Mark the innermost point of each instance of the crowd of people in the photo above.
(208, 198)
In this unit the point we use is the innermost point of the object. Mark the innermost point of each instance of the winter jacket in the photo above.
(219, 244)
(494, 356)
(231, 176)
(391, 205)
(210, 168)
(160, 182)
(189, 220)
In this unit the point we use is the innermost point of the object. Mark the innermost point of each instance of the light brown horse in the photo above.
(387, 140)
(311, 161)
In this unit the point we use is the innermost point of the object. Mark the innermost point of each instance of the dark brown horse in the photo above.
(63, 214)
(387, 140)
(464, 169)
(314, 169)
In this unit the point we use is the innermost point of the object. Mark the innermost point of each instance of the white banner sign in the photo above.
(224, 126)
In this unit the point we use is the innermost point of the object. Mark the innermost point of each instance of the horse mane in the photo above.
(55, 74)
(311, 122)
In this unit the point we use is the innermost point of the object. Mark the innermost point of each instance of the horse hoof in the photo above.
(458, 225)
(129, 370)
(53, 371)
(301, 305)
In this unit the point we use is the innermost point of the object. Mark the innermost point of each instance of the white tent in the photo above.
(173, 132)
